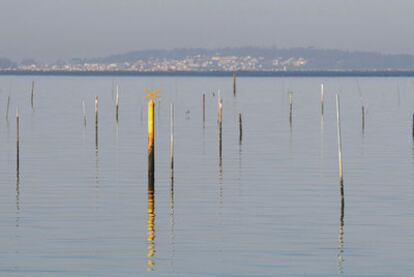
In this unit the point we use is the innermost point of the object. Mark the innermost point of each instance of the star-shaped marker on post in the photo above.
(152, 95)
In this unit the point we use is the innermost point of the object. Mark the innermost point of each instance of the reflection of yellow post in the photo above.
(151, 231)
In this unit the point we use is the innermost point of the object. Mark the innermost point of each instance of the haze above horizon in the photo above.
(49, 30)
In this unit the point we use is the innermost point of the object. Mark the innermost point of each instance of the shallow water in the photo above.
(270, 206)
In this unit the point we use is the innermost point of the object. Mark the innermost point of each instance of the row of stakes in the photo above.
(152, 96)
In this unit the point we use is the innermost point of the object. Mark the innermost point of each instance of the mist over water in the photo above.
(267, 203)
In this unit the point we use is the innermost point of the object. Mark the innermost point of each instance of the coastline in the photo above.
(315, 73)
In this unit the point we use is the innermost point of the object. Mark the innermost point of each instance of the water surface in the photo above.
(269, 205)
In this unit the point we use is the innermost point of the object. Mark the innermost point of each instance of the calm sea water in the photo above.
(269, 206)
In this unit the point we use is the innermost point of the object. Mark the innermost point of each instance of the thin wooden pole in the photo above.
(84, 112)
(204, 109)
(172, 136)
(96, 121)
(17, 141)
(7, 108)
(322, 99)
(117, 104)
(234, 83)
(32, 94)
(338, 125)
(220, 127)
(363, 118)
(413, 125)
(220, 108)
(290, 107)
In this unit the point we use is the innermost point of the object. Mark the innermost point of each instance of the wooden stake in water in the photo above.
(220, 108)
(322, 99)
(84, 112)
(220, 125)
(240, 129)
(363, 118)
(413, 125)
(17, 140)
(32, 95)
(96, 121)
(234, 83)
(117, 104)
(204, 110)
(361, 99)
(151, 105)
(152, 95)
(290, 107)
(172, 136)
(7, 108)
(338, 128)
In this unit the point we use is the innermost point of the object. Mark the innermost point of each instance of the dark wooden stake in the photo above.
(234, 83)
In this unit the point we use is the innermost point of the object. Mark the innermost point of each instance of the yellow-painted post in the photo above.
(151, 106)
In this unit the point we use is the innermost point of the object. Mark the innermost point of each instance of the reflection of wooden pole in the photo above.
(17, 141)
(340, 255)
(151, 105)
(7, 108)
(117, 104)
(240, 128)
(234, 83)
(204, 110)
(151, 230)
(338, 124)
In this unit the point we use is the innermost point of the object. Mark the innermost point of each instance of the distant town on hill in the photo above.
(249, 59)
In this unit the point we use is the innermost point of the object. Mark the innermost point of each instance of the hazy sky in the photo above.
(60, 29)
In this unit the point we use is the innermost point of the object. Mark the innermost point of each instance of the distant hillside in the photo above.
(315, 59)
